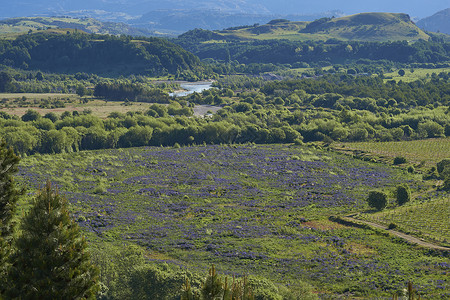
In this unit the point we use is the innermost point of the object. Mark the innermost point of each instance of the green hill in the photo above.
(15, 26)
(100, 54)
(359, 27)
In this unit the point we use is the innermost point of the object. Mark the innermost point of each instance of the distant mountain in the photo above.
(179, 21)
(177, 16)
(359, 27)
(88, 25)
(129, 9)
(439, 22)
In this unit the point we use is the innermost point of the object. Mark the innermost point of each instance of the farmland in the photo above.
(428, 219)
(261, 210)
(428, 152)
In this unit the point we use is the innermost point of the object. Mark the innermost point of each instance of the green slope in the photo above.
(359, 27)
(93, 53)
(21, 25)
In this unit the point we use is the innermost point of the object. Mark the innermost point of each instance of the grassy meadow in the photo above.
(258, 210)
(18, 104)
(419, 152)
(425, 218)
(413, 74)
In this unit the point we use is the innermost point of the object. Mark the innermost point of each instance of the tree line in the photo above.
(100, 54)
(283, 114)
(323, 53)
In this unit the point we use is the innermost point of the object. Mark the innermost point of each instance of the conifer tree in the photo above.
(51, 259)
(8, 197)
(212, 288)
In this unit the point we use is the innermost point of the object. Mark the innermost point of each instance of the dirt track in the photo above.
(404, 236)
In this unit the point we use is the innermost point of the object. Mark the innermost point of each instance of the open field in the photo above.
(18, 104)
(414, 74)
(429, 219)
(429, 151)
(99, 108)
(260, 210)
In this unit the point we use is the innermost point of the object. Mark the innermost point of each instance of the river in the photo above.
(190, 87)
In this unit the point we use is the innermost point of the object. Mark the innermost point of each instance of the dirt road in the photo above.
(399, 234)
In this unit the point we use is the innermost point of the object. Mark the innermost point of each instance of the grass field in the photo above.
(429, 151)
(429, 219)
(426, 216)
(413, 74)
(15, 106)
(259, 210)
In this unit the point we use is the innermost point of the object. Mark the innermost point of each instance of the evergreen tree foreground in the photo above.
(51, 260)
(9, 195)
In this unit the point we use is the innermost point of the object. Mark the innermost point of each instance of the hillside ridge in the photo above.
(371, 26)
(89, 25)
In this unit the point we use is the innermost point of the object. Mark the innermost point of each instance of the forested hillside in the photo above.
(320, 53)
(101, 54)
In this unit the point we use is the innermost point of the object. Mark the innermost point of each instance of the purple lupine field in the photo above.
(248, 209)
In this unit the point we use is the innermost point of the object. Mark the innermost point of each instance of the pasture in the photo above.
(427, 152)
(413, 74)
(425, 218)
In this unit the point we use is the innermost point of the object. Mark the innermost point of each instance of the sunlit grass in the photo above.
(413, 74)
(429, 151)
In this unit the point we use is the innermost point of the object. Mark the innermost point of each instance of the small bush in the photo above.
(398, 160)
(403, 194)
(411, 169)
(392, 226)
(377, 200)
(445, 163)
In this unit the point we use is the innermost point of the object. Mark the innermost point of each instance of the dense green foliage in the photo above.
(377, 200)
(8, 198)
(443, 167)
(329, 108)
(403, 194)
(134, 87)
(51, 259)
(130, 91)
(102, 54)
(314, 53)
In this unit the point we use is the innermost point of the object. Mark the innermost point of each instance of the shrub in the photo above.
(31, 115)
(411, 169)
(447, 130)
(443, 167)
(398, 160)
(431, 128)
(445, 163)
(403, 194)
(392, 226)
(377, 200)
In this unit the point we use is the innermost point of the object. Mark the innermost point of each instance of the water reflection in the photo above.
(190, 87)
